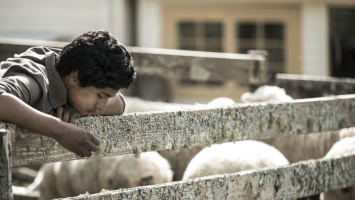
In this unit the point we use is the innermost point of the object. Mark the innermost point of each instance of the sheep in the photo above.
(71, 178)
(266, 93)
(134, 104)
(178, 160)
(294, 147)
(343, 147)
(233, 157)
(304, 147)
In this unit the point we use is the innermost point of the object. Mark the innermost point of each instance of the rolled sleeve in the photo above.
(23, 87)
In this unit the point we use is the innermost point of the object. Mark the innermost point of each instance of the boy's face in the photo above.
(89, 100)
(86, 100)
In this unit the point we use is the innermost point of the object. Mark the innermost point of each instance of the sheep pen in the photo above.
(135, 133)
(153, 131)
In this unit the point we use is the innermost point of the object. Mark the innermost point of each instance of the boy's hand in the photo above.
(77, 140)
(67, 114)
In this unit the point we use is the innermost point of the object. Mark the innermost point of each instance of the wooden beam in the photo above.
(201, 66)
(309, 86)
(139, 132)
(293, 181)
(10, 47)
(245, 69)
(5, 166)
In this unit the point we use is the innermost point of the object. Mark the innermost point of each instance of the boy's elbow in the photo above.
(114, 106)
(121, 105)
(121, 110)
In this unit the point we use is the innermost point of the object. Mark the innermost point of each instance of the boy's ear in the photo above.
(73, 78)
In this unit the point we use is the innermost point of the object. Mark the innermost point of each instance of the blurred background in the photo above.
(314, 37)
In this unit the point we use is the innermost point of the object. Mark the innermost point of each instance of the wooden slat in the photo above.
(309, 86)
(10, 47)
(138, 132)
(201, 66)
(297, 180)
(5, 166)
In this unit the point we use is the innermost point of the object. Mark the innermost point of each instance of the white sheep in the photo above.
(266, 93)
(180, 159)
(304, 147)
(134, 104)
(71, 178)
(343, 147)
(233, 157)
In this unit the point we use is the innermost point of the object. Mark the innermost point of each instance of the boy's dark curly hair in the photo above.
(101, 61)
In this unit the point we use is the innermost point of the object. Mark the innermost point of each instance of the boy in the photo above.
(45, 89)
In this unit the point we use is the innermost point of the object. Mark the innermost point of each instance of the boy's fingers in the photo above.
(73, 116)
(59, 112)
(72, 119)
(66, 116)
(86, 152)
(92, 147)
(80, 154)
(95, 140)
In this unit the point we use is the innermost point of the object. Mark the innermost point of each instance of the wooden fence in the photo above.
(245, 69)
(139, 132)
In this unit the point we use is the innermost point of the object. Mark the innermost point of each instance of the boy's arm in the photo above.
(75, 139)
(115, 106)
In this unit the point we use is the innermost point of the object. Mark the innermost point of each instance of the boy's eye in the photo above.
(99, 96)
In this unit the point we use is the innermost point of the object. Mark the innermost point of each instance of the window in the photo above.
(200, 36)
(250, 35)
(342, 42)
(267, 36)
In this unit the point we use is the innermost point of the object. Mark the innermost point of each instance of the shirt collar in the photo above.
(57, 92)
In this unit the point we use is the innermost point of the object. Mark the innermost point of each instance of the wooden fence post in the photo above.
(5, 166)
(258, 70)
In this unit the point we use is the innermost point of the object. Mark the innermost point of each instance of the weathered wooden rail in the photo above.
(152, 131)
(309, 86)
(288, 182)
(139, 132)
(134, 133)
(245, 69)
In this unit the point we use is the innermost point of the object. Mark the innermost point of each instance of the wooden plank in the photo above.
(5, 166)
(139, 132)
(10, 47)
(309, 86)
(201, 66)
(297, 180)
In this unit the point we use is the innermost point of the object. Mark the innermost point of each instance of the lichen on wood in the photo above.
(5, 166)
(139, 132)
(197, 65)
(293, 181)
(309, 86)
